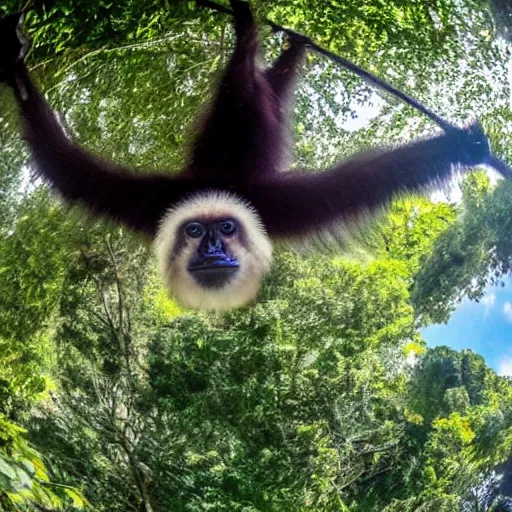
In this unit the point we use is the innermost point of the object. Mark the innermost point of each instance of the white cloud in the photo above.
(488, 302)
(505, 367)
(507, 310)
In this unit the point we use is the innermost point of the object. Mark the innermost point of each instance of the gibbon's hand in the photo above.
(13, 47)
(295, 39)
(471, 144)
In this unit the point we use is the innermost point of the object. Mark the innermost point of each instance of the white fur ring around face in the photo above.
(252, 249)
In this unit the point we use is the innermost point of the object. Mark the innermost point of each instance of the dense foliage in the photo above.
(323, 395)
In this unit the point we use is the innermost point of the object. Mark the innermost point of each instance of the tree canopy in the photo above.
(322, 396)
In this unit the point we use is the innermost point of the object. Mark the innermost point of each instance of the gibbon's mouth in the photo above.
(214, 273)
(222, 264)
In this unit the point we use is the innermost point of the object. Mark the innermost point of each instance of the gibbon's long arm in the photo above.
(244, 134)
(301, 203)
(138, 201)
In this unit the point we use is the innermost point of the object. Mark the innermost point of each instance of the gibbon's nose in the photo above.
(211, 245)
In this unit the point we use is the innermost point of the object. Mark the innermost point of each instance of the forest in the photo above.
(321, 396)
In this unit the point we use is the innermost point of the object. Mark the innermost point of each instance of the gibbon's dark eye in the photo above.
(194, 230)
(227, 227)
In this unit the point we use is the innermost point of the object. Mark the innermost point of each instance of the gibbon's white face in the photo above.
(213, 252)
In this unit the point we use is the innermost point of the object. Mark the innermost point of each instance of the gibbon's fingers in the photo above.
(298, 204)
(479, 144)
(138, 201)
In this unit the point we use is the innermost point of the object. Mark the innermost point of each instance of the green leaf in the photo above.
(6, 469)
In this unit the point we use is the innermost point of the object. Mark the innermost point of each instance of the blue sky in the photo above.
(485, 328)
